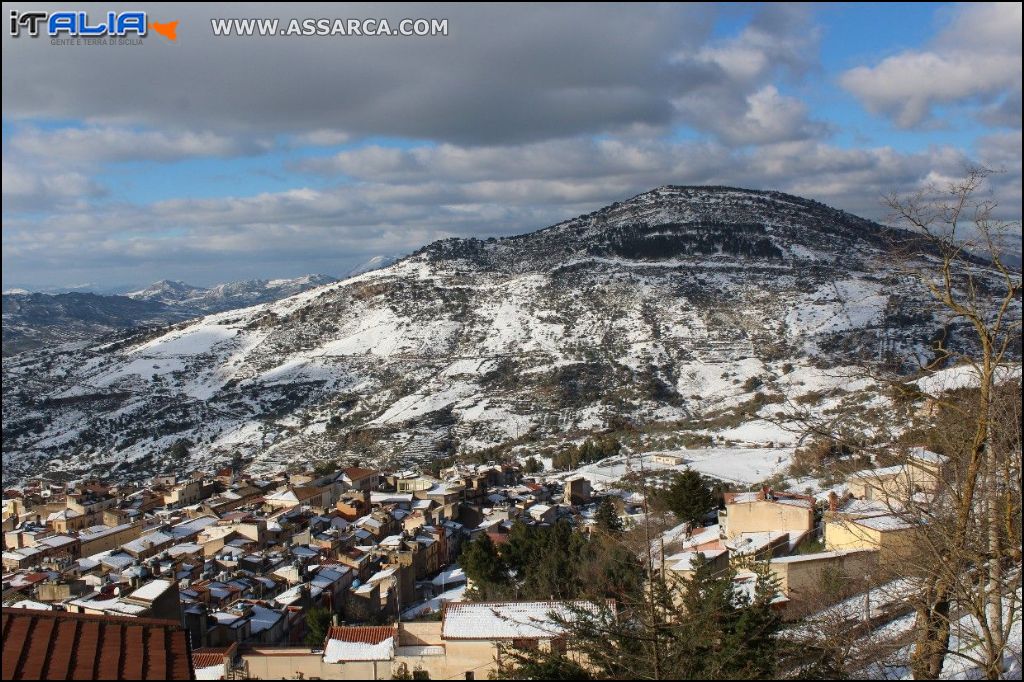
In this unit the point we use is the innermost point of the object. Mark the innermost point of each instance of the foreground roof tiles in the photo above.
(71, 646)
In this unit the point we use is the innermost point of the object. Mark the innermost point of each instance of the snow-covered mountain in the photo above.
(33, 320)
(227, 296)
(690, 311)
(371, 264)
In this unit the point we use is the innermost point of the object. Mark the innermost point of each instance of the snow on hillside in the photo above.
(693, 310)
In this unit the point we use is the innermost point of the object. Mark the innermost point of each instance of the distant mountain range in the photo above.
(33, 319)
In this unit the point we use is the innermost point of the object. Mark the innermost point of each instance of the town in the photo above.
(354, 573)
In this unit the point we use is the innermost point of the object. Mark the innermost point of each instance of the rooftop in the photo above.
(60, 645)
(509, 620)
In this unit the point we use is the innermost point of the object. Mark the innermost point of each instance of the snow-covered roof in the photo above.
(798, 558)
(922, 455)
(509, 620)
(360, 644)
(151, 590)
(885, 522)
(263, 618)
(452, 574)
(683, 561)
(192, 526)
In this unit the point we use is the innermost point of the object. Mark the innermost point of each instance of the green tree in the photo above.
(318, 621)
(180, 450)
(483, 566)
(606, 518)
(533, 465)
(515, 665)
(706, 627)
(689, 497)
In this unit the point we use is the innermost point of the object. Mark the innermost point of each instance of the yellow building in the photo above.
(765, 510)
(812, 578)
(920, 473)
(893, 537)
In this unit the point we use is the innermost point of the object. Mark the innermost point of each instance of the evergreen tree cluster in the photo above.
(592, 450)
(689, 496)
(549, 562)
(705, 627)
(668, 240)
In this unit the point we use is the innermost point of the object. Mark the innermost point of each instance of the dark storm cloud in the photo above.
(501, 75)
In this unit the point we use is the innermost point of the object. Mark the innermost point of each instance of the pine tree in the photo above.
(606, 518)
(689, 497)
(483, 566)
(318, 620)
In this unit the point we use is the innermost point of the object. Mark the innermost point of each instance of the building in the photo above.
(577, 490)
(920, 473)
(69, 646)
(681, 564)
(358, 478)
(816, 579)
(98, 539)
(668, 459)
(476, 632)
(871, 525)
(764, 511)
(466, 644)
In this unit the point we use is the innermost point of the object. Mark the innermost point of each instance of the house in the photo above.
(361, 651)
(98, 539)
(870, 525)
(159, 598)
(668, 459)
(816, 579)
(577, 491)
(358, 478)
(214, 663)
(681, 564)
(919, 473)
(477, 632)
(466, 644)
(766, 510)
(184, 493)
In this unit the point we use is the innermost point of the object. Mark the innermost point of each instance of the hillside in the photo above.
(696, 310)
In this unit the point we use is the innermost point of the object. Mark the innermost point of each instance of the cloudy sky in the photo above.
(211, 159)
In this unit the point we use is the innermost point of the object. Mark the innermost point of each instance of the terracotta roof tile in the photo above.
(368, 634)
(59, 645)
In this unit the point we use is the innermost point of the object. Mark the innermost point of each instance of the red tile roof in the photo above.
(369, 634)
(358, 473)
(206, 657)
(59, 645)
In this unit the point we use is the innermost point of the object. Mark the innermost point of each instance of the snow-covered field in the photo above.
(741, 466)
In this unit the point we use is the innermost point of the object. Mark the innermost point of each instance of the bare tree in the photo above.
(955, 251)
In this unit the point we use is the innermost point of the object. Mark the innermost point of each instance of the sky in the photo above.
(212, 158)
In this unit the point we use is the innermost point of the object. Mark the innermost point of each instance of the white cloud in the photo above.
(977, 58)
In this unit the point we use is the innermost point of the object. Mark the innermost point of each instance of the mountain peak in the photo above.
(675, 223)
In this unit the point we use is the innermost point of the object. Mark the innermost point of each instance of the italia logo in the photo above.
(79, 24)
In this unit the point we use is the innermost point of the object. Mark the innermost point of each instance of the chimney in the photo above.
(833, 501)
